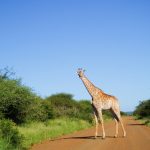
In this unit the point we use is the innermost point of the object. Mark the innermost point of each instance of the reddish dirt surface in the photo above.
(138, 138)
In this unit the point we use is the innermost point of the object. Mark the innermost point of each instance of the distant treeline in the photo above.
(143, 109)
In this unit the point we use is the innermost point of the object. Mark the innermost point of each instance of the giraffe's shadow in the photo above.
(88, 137)
(82, 137)
(135, 124)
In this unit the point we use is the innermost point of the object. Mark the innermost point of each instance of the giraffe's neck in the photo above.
(89, 86)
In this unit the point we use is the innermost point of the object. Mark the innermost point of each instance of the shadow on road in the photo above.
(135, 124)
(82, 137)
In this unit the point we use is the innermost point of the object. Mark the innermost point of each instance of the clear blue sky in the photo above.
(46, 41)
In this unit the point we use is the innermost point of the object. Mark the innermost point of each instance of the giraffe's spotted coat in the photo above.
(102, 101)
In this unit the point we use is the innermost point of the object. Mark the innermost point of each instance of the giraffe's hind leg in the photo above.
(116, 123)
(119, 119)
(124, 132)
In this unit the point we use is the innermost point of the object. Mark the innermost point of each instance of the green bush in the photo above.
(63, 105)
(19, 103)
(123, 113)
(47, 108)
(143, 109)
(85, 110)
(15, 100)
(40, 111)
(10, 134)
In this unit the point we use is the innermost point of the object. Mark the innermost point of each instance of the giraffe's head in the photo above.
(80, 72)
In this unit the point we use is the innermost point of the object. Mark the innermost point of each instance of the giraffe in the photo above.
(102, 101)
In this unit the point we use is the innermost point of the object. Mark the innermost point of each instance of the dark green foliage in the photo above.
(15, 100)
(19, 103)
(63, 105)
(86, 110)
(123, 113)
(108, 113)
(40, 111)
(143, 109)
(47, 108)
(10, 134)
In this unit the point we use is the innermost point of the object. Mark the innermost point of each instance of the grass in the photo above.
(36, 132)
(145, 120)
(4, 145)
(107, 118)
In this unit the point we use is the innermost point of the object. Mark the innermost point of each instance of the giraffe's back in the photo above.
(105, 101)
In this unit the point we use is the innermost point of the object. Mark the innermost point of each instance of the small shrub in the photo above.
(147, 122)
(40, 111)
(15, 100)
(10, 133)
(85, 110)
(47, 109)
(63, 105)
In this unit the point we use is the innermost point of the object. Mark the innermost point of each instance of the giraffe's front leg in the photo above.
(102, 123)
(96, 125)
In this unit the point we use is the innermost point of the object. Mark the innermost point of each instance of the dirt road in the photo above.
(138, 138)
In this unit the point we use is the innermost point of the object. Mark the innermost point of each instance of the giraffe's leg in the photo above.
(121, 122)
(116, 122)
(124, 132)
(102, 123)
(96, 124)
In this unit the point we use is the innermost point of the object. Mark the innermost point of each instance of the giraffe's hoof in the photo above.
(103, 137)
(124, 135)
(115, 136)
(95, 137)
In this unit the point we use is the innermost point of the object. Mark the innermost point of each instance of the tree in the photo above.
(15, 100)
(143, 109)
(86, 110)
(63, 105)
(6, 73)
(19, 103)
